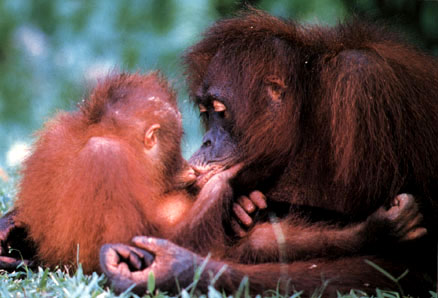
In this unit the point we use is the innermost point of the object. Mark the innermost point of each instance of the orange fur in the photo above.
(89, 182)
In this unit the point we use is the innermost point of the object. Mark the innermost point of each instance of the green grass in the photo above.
(46, 283)
(59, 283)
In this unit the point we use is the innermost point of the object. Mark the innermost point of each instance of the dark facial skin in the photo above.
(221, 103)
(218, 145)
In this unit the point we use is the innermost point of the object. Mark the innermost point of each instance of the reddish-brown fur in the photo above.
(332, 120)
(354, 115)
(341, 119)
(88, 180)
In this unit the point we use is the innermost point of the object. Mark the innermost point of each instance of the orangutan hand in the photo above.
(244, 210)
(402, 220)
(127, 265)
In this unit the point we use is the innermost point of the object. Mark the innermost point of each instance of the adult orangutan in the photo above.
(125, 177)
(335, 122)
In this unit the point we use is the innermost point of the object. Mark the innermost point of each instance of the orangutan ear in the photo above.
(275, 87)
(150, 137)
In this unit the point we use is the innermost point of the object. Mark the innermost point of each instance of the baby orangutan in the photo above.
(106, 172)
(113, 169)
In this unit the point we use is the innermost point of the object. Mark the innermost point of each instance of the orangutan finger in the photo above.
(258, 199)
(237, 229)
(242, 215)
(246, 204)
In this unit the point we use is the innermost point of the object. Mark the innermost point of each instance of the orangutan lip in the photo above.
(207, 173)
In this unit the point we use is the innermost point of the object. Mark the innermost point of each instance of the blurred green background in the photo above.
(51, 52)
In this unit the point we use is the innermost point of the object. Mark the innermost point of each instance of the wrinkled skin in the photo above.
(167, 258)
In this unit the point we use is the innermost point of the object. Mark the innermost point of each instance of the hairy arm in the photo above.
(174, 266)
(202, 228)
(294, 239)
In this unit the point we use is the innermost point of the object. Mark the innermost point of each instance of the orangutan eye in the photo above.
(202, 108)
(218, 106)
